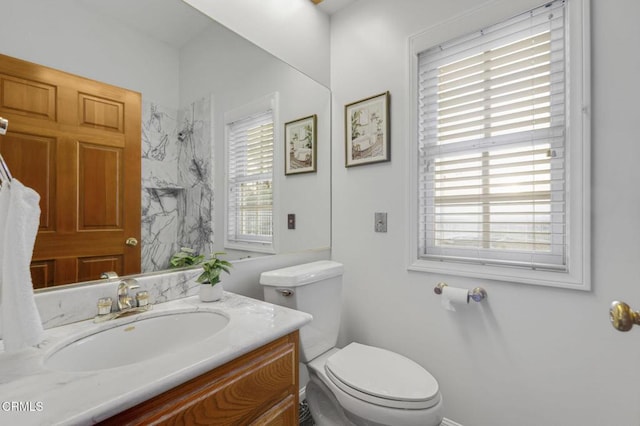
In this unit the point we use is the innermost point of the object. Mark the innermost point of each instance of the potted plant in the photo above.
(185, 257)
(211, 287)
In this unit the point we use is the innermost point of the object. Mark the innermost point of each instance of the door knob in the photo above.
(131, 242)
(622, 317)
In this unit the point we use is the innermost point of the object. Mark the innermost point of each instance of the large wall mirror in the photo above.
(191, 72)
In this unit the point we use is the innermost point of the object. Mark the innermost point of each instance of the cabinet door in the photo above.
(259, 388)
(76, 142)
(283, 414)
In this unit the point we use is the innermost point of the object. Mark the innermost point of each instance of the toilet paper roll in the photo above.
(454, 296)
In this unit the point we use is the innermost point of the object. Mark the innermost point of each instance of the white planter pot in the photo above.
(211, 293)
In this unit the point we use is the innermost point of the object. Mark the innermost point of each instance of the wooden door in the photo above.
(77, 143)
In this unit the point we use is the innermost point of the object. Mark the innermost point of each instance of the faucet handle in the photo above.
(104, 305)
(142, 298)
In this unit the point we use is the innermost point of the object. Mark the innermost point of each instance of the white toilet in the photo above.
(359, 384)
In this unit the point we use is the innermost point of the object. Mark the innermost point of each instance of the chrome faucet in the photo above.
(124, 300)
(126, 304)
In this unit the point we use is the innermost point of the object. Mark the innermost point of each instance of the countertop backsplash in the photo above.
(77, 303)
(69, 304)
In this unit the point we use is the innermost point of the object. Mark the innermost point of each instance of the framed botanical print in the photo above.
(367, 131)
(300, 145)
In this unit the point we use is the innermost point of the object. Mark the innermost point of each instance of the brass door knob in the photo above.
(622, 317)
(131, 242)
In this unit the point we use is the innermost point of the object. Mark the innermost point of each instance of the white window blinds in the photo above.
(492, 144)
(250, 178)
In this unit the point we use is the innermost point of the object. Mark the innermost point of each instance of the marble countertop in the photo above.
(31, 394)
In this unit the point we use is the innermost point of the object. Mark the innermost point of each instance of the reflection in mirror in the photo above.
(191, 71)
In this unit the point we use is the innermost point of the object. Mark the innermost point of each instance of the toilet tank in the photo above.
(314, 288)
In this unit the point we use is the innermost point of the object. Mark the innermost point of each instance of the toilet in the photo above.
(359, 384)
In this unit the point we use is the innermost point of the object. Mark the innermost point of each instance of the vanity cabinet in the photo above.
(259, 388)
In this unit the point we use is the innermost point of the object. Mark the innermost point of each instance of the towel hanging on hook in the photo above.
(5, 174)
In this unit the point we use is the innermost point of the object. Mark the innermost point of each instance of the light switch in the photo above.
(291, 221)
(380, 222)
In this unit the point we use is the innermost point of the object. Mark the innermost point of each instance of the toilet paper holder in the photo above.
(478, 294)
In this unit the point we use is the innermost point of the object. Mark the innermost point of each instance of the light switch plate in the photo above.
(380, 222)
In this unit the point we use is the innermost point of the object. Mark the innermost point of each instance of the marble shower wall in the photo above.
(160, 189)
(177, 191)
(195, 174)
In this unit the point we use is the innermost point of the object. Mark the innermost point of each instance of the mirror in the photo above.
(191, 71)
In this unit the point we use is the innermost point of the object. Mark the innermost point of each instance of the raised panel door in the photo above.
(70, 140)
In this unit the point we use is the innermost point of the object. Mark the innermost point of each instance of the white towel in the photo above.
(21, 323)
(4, 210)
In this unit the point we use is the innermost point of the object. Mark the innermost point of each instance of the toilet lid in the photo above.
(382, 377)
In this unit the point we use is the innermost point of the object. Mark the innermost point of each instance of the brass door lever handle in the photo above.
(622, 316)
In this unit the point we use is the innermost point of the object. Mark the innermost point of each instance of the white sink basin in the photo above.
(136, 341)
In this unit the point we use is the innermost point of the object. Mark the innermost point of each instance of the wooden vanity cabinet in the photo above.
(259, 388)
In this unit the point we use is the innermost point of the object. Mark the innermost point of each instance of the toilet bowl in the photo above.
(359, 384)
(374, 386)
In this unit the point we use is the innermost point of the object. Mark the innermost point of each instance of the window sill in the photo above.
(254, 247)
(575, 280)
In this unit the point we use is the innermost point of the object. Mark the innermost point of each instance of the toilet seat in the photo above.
(382, 377)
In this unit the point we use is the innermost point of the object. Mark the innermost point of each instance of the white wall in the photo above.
(238, 73)
(67, 36)
(293, 30)
(527, 356)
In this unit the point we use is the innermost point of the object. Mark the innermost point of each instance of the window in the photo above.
(495, 151)
(250, 181)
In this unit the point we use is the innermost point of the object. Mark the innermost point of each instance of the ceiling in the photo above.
(332, 6)
(173, 22)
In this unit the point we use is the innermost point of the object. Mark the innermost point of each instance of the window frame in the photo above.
(258, 106)
(577, 275)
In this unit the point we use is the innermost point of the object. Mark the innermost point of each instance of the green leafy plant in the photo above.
(185, 257)
(213, 268)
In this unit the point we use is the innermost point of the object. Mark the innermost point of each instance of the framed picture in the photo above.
(300, 146)
(367, 131)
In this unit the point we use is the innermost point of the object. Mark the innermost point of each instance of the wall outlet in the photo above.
(380, 224)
